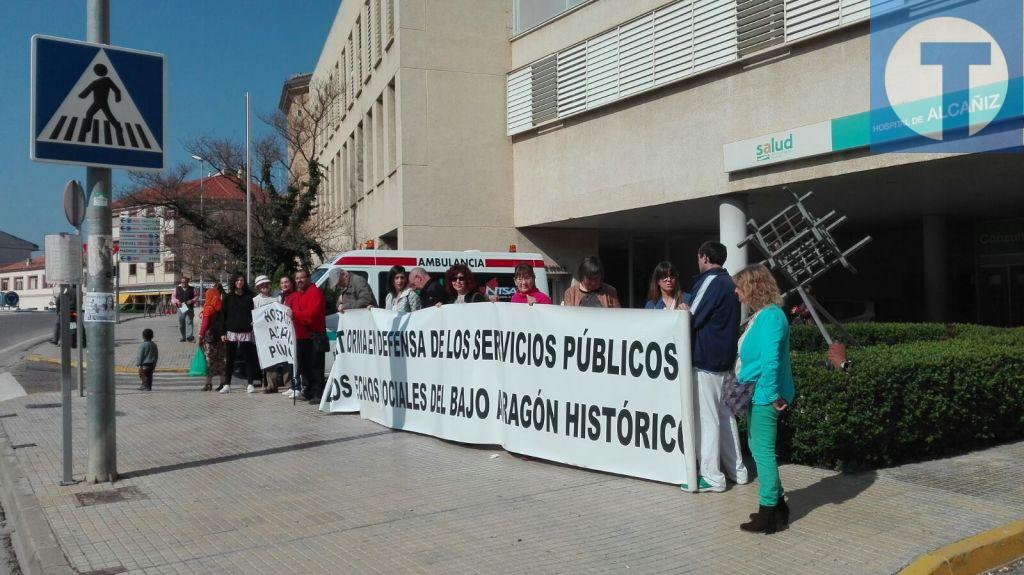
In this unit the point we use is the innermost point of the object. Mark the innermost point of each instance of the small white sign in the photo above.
(275, 336)
(99, 307)
(788, 145)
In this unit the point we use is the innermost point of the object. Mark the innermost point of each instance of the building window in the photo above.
(359, 158)
(392, 127)
(132, 269)
(19, 284)
(33, 282)
(150, 268)
(5, 284)
(377, 32)
(368, 35)
(378, 135)
(391, 19)
(528, 14)
(351, 72)
(368, 149)
(359, 55)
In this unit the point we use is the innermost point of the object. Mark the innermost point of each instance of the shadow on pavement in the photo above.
(833, 490)
(247, 455)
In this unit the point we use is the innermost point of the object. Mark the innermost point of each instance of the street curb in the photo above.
(35, 545)
(117, 368)
(973, 555)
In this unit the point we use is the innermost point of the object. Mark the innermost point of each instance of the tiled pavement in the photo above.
(243, 483)
(174, 355)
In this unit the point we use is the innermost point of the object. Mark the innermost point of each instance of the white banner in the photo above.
(275, 337)
(595, 388)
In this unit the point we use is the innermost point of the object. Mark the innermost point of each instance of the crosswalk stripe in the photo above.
(56, 130)
(141, 135)
(71, 129)
(83, 131)
(95, 131)
(131, 135)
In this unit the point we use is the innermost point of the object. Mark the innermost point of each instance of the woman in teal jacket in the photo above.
(764, 363)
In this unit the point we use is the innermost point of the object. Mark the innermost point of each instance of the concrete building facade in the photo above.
(27, 278)
(630, 130)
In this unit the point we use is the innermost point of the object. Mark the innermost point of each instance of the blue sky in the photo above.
(216, 51)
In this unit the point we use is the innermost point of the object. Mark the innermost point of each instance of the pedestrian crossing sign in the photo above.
(97, 105)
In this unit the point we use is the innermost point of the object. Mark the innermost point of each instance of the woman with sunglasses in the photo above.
(401, 297)
(460, 285)
(526, 286)
(664, 292)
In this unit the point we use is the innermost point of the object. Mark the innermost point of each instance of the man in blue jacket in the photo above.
(716, 323)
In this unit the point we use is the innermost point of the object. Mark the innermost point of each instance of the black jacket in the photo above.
(472, 297)
(433, 293)
(236, 313)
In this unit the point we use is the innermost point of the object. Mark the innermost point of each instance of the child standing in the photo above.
(146, 360)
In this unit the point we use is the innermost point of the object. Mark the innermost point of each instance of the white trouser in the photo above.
(717, 433)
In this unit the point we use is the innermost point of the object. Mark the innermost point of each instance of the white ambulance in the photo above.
(492, 271)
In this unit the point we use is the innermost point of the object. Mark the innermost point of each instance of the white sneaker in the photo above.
(287, 392)
(250, 389)
(225, 389)
(291, 393)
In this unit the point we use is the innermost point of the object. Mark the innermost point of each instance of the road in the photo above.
(17, 330)
(18, 333)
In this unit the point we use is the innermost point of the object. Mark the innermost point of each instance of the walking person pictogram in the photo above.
(100, 89)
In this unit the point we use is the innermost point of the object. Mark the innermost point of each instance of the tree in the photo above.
(288, 228)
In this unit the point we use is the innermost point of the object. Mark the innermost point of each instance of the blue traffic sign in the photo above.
(97, 105)
(11, 299)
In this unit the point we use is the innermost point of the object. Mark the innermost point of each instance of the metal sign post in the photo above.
(65, 382)
(74, 210)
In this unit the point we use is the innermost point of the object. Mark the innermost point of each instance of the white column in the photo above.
(732, 229)
(936, 269)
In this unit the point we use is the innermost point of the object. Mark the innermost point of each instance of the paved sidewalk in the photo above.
(243, 483)
(175, 356)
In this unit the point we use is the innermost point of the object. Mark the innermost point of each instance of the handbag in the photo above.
(320, 343)
(198, 366)
(736, 396)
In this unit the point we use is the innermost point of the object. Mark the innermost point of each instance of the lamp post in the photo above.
(202, 217)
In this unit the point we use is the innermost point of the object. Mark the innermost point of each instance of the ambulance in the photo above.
(492, 271)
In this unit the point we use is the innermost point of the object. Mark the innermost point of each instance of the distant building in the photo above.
(28, 280)
(14, 249)
(183, 249)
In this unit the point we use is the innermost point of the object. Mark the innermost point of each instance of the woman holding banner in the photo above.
(209, 336)
(764, 363)
(526, 286)
(461, 286)
(284, 377)
(664, 292)
(263, 297)
(401, 297)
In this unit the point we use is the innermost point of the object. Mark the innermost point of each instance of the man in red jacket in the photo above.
(308, 316)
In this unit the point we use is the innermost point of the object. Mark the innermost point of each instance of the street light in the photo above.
(202, 217)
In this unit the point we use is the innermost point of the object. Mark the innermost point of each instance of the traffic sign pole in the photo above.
(100, 334)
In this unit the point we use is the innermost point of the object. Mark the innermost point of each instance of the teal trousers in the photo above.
(764, 424)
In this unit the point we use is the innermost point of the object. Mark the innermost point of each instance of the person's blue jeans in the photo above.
(185, 323)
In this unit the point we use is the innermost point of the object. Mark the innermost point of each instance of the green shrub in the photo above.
(808, 338)
(908, 401)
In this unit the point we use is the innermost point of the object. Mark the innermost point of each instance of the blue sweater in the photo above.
(716, 321)
(764, 357)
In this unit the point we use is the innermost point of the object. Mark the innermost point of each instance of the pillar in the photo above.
(936, 268)
(732, 229)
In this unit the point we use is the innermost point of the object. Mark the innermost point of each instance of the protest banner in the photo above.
(610, 390)
(275, 337)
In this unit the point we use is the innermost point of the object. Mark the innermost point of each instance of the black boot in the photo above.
(765, 521)
(782, 511)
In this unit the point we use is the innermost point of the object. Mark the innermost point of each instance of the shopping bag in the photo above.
(198, 364)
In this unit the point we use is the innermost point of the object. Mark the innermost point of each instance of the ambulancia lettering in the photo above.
(449, 262)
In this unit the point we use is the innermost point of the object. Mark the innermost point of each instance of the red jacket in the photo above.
(308, 311)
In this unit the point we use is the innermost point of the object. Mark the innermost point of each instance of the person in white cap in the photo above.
(261, 299)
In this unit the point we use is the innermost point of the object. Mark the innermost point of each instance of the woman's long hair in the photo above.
(661, 271)
(758, 287)
(454, 271)
(245, 284)
(394, 271)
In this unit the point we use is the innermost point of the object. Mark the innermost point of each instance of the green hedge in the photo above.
(907, 401)
(808, 338)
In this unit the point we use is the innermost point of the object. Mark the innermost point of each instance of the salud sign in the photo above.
(97, 105)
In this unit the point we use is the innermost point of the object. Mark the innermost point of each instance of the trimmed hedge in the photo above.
(808, 338)
(901, 402)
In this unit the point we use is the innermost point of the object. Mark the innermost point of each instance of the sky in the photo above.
(216, 51)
